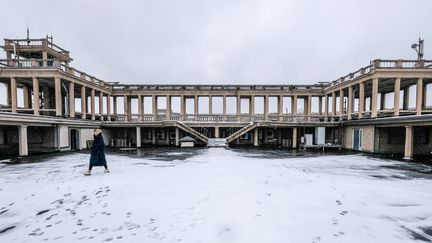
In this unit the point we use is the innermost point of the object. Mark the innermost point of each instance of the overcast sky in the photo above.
(224, 41)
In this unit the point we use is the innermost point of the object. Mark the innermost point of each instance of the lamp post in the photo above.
(419, 48)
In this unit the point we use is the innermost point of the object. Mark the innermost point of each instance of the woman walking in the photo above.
(97, 157)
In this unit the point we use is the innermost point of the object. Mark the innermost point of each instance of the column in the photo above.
(217, 132)
(138, 137)
(140, 108)
(125, 107)
(108, 107)
(44, 58)
(101, 105)
(252, 105)
(266, 107)
(26, 97)
(333, 103)
(177, 136)
(154, 105)
(23, 145)
(326, 106)
(294, 141)
(374, 97)
(168, 107)
(182, 107)
(294, 105)
(210, 105)
(71, 99)
(196, 105)
(92, 104)
(408, 153)
(115, 106)
(396, 104)
(238, 109)
(419, 96)
(320, 100)
(58, 96)
(13, 92)
(309, 106)
(256, 142)
(361, 100)
(224, 105)
(341, 102)
(153, 133)
(280, 105)
(83, 102)
(36, 101)
(350, 102)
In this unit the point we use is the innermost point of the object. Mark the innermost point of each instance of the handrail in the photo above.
(37, 42)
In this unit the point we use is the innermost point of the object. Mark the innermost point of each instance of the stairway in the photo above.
(192, 131)
(216, 142)
(240, 132)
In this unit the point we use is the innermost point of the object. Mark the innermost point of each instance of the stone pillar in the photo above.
(13, 95)
(350, 102)
(140, 108)
(168, 107)
(154, 105)
(195, 105)
(361, 100)
(125, 107)
(294, 105)
(153, 133)
(341, 102)
(309, 106)
(115, 105)
(217, 132)
(252, 105)
(224, 105)
(92, 104)
(210, 105)
(23, 144)
(266, 107)
(408, 154)
(326, 106)
(109, 107)
(334, 103)
(238, 109)
(83, 102)
(177, 136)
(374, 99)
(26, 97)
(45, 58)
(138, 137)
(71, 99)
(320, 100)
(256, 142)
(294, 140)
(101, 105)
(419, 96)
(396, 104)
(182, 107)
(58, 96)
(36, 97)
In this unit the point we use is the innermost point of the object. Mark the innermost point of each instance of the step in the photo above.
(216, 142)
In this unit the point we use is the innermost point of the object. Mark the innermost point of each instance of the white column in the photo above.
(71, 99)
(58, 96)
(92, 104)
(408, 153)
(419, 96)
(294, 141)
(177, 136)
(374, 99)
(23, 144)
(36, 96)
(256, 142)
(83, 102)
(138, 137)
(361, 100)
(396, 100)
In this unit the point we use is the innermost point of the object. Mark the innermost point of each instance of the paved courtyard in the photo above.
(216, 195)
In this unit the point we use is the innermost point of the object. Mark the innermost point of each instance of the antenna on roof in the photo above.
(419, 48)
(28, 34)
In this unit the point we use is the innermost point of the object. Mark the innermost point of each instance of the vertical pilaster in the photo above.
(374, 97)
(36, 98)
(309, 106)
(83, 102)
(408, 153)
(196, 105)
(210, 105)
(126, 108)
(320, 103)
(334, 103)
(13, 94)
(396, 100)
(361, 99)
(266, 107)
(294, 105)
(115, 105)
(224, 105)
(140, 108)
(71, 99)
(252, 105)
(238, 108)
(326, 106)
(58, 96)
(419, 96)
(280, 105)
(168, 107)
(154, 105)
(101, 104)
(341, 102)
(182, 107)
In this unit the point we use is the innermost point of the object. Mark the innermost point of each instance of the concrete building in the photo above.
(379, 108)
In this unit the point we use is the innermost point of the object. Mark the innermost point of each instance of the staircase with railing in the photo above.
(240, 132)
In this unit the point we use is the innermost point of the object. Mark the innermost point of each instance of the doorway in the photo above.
(357, 139)
(74, 135)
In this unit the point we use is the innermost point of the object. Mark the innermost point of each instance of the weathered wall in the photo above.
(64, 137)
(85, 134)
(367, 144)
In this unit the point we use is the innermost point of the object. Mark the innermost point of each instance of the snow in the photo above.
(216, 195)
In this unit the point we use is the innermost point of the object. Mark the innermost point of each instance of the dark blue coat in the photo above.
(97, 157)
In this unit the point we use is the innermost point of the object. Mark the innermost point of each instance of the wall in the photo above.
(85, 134)
(367, 138)
(64, 137)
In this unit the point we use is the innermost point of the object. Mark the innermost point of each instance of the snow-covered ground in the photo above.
(216, 195)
